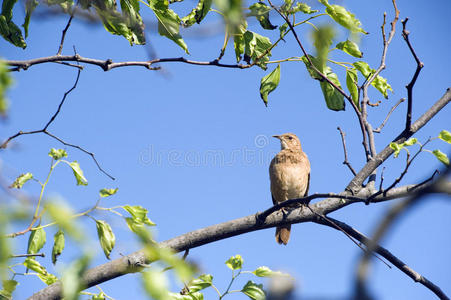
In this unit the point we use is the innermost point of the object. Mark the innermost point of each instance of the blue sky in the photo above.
(193, 144)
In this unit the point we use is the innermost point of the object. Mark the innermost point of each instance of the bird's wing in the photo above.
(273, 200)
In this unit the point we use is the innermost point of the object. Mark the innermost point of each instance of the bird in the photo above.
(289, 173)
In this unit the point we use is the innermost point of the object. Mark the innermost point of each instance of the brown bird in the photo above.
(289, 173)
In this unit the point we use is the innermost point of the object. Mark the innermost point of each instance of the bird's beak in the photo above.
(276, 136)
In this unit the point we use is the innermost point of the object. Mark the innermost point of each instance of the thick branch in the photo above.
(196, 238)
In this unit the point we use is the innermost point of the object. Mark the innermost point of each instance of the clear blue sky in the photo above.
(156, 132)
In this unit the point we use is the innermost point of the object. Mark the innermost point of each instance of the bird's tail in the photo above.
(283, 234)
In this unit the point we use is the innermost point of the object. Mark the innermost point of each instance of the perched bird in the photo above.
(289, 173)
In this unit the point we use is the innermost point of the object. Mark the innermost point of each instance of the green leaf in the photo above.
(106, 237)
(200, 283)
(397, 148)
(343, 17)
(445, 135)
(63, 216)
(269, 84)
(253, 290)
(36, 241)
(183, 270)
(107, 192)
(256, 47)
(232, 10)
(20, 181)
(309, 67)
(139, 214)
(261, 11)
(263, 272)
(198, 13)
(71, 279)
(235, 262)
(334, 99)
(238, 41)
(8, 30)
(441, 157)
(30, 5)
(8, 288)
(99, 296)
(127, 24)
(302, 7)
(155, 284)
(45, 276)
(322, 39)
(57, 154)
(190, 296)
(58, 245)
(78, 173)
(283, 29)
(379, 82)
(168, 22)
(66, 5)
(5, 82)
(410, 142)
(350, 48)
(352, 84)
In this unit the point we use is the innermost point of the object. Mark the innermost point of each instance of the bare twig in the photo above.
(346, 162)
(63, 35)
(28, 255)
(405, 35)
(378, 129)
(45, 131)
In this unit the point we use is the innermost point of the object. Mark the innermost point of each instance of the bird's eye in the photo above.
(290, 137)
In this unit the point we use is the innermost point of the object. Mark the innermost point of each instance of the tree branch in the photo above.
(45, 131)
(355, 185)
(346, 162)
(132, 262)
(403, 267)
(378, 129)
(108, 64)
(420, 65)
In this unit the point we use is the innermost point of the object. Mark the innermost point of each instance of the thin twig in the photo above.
(45, 131)
(346, 162)
(63, 36)
(420, 65)
(28, 255)
(378, 129)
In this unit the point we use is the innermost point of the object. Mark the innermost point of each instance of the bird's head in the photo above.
(289, 141)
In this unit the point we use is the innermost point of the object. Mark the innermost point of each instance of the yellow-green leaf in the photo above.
(269, 84)
(106, 237)
(20, 181)
(261, 11)
(198, 13)
(58, 245)
(36, 241)
(57, 153)
(107, 192)
(350, 48)
(343, 17)
(445, 135)
(78, 173)
(352, 85)
(235, 262)
(441, 157)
